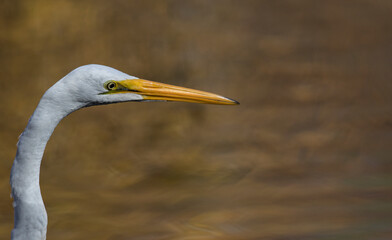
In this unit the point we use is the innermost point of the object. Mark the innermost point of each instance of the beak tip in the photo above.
(234, 102)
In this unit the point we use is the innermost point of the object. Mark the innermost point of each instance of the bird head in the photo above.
(96, 84)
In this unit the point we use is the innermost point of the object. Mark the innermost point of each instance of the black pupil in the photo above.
(111, 85)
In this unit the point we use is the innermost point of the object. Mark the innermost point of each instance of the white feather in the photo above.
(80, 88)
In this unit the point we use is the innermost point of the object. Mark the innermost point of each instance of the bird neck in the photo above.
(30, 214)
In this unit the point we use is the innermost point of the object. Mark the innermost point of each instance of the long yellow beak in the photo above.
(159, 91)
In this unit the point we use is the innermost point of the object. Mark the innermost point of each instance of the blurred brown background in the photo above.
(307, 154)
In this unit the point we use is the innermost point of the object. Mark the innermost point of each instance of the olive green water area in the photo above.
(307, 154)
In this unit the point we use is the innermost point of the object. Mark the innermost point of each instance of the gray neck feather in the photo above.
(30, 214)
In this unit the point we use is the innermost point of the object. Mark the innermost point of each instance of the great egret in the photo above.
(83, 87)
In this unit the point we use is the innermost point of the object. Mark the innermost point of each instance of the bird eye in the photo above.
(110, 85)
